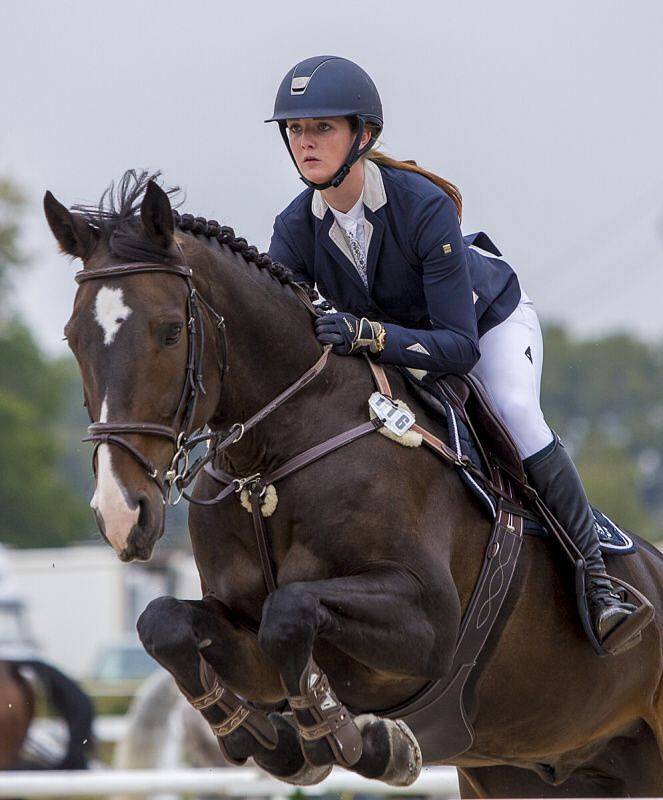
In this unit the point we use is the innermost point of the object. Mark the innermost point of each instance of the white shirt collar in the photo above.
(351, 218)
(373, 197)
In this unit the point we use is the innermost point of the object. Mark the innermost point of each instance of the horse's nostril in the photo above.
(143, 513)
(100, 522)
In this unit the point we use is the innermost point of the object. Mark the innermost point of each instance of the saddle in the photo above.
(470, 402)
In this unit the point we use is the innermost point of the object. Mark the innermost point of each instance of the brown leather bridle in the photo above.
(180, 474)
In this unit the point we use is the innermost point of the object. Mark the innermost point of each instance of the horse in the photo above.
(164, 731)
(31, 680)
(17, 704)
(374, 548)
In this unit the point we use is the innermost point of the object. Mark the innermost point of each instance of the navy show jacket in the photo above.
(434, 293)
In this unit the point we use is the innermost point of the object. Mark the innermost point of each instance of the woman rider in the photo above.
(381, 239)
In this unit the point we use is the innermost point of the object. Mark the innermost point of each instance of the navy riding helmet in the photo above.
(329, 86)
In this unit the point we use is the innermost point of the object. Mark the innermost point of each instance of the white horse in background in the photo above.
(164, 732)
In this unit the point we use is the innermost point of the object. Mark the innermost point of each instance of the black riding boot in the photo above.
(555, 478)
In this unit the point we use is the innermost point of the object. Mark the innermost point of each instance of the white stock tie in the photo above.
(358, 256)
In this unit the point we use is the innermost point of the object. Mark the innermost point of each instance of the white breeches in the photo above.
(512, 380)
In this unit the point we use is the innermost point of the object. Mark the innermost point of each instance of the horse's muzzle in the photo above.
(139, 543)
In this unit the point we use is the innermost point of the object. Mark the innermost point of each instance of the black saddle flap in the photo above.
(469, 400)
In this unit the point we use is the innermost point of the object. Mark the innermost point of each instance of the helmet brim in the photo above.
(319, 113)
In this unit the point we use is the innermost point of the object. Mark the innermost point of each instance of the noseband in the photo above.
(180, 473)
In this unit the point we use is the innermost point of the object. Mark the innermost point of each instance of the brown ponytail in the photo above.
(412, 166)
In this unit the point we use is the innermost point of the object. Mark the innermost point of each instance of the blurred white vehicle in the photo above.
(122, 659)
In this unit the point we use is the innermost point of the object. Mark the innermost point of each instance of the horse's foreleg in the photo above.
(378, 620)
(196, 641)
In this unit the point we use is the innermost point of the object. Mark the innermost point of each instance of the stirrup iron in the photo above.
(629, 632)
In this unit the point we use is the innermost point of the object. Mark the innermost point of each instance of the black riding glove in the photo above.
(348, 334)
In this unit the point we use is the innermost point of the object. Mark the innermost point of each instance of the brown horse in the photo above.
(376, 547)
(17, 705)
(26, 682)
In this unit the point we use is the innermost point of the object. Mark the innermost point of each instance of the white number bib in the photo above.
(397, 420)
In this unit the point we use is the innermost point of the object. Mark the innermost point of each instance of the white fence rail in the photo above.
(107, 728)
(439, 781)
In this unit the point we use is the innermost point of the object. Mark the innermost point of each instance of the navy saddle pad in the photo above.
(612, 538)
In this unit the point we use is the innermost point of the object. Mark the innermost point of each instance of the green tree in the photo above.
(38, 506)
(604, 396)
(11, 201)
(613, 484)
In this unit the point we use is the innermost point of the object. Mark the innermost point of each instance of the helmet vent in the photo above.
(298, 85)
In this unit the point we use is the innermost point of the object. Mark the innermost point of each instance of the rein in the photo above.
(180, 474)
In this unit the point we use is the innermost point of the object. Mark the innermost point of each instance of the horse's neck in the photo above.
(270, 344)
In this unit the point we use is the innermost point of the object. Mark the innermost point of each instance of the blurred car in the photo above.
(123, 660)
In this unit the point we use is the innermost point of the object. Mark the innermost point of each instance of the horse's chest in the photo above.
(231, 569)
(239, 584)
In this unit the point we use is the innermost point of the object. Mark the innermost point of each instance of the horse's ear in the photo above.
(157, 216)
(75, 235)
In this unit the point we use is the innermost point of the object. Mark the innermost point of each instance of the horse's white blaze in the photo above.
(110, 311)
(109, 499)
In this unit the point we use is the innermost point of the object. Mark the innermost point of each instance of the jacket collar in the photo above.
(374, 193)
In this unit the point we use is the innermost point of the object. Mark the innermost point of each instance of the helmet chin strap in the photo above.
(341, 173)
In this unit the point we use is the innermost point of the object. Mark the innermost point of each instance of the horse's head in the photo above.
(136, 335)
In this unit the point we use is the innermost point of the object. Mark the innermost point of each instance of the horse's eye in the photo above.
(170, 333)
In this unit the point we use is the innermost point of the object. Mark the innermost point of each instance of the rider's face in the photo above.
(320, 146)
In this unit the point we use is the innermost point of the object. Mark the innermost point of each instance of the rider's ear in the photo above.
(74, 234)
(157, 216)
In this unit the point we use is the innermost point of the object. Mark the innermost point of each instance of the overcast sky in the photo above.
(548, 115)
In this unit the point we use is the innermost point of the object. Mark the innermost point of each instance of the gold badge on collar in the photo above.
(446, 249)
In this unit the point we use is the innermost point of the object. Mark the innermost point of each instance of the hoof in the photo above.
(405, 761)
(308, 775)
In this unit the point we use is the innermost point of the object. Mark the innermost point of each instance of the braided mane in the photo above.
(211, 229)
(117, 218)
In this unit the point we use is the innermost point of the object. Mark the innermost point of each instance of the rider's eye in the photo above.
(170, 333)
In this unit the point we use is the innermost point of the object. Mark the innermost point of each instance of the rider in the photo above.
(381, 239)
